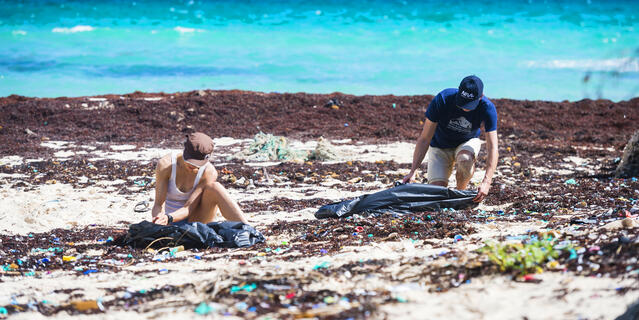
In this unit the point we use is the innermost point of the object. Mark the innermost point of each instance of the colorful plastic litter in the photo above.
(204, 308)
(322, 265)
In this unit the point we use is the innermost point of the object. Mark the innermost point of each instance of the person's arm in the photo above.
(421, 147)
(491, 165)
(210, 174)
(162, 175)
(190, 205)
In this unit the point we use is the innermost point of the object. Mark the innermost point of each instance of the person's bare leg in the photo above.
(439, 183)
(465, 165)
(215, 198)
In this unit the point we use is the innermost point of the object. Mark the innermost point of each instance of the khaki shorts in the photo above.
(441, 161)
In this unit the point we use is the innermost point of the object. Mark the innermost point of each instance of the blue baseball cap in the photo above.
(471, 89)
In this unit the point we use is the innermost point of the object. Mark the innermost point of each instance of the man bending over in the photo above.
(451, 136)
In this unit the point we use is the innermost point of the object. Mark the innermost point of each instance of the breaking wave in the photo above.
(186, 30)
(629, 64)
(75, 29)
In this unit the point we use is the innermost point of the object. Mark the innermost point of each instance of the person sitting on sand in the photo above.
(186, 187)
(452, 129)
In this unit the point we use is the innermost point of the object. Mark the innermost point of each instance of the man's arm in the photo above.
(421, 147)
(491, 165)
(162, 175)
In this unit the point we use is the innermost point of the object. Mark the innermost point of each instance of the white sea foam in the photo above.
(19, 33)
(186, 30)
(74, 29)
(629, 64)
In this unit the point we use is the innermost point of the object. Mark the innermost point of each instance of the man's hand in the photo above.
(162, 219)
(409, 177)
(482, 192)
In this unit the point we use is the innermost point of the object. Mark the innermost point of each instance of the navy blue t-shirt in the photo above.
(456, 126)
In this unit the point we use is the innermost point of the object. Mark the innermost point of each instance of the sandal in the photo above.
(142, 206)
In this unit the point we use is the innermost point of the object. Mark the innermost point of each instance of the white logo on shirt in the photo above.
(460, 125)
(467, 95)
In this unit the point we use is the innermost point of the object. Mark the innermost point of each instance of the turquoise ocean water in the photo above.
(521, 49)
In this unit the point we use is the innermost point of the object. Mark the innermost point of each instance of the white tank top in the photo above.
(175, 199)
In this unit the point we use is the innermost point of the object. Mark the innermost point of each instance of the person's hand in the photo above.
(482, 192)
(409, 177)
(161, 219)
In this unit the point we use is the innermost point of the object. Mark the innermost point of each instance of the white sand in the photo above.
(495, 297)
(62, 206)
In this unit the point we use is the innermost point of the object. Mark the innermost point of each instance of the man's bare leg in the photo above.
(439, 183)
(465, 165)
(215, 198)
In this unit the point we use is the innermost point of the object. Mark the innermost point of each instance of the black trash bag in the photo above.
(402, 199)
(632, 313)
(225, 234)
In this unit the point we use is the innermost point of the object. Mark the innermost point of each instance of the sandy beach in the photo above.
(72, 171)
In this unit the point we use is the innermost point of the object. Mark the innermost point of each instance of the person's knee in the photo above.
(214, 186)
(465, 162)
(212, 190)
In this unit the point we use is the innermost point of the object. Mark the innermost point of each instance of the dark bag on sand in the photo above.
(191, 235)
(406, 198)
